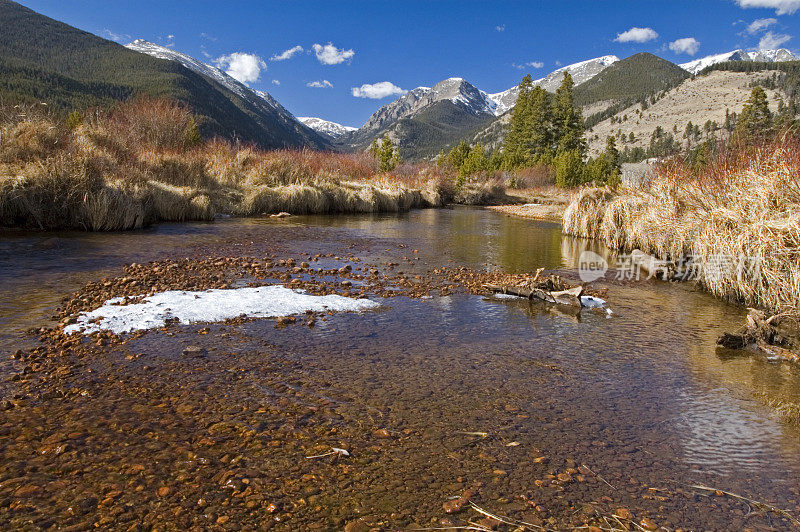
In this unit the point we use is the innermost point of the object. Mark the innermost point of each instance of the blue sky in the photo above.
(492, 44)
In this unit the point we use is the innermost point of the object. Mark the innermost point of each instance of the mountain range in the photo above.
(325, 127)
(764, 56)
(43, 60)
(427, 119)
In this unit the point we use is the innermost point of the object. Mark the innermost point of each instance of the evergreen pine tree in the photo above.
(567, 119)
(191, 133)
(756, 118)
(570, 170)
(496, 160)
(74, 119)
(388, 158)
(458, 155)
(475, 162)
(513, 147)
(613, 154)
(374, 148)
(538, 128)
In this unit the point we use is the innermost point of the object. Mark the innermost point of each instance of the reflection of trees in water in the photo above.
(483, 238)
(525, 245)
(572, 247)
(468, 236)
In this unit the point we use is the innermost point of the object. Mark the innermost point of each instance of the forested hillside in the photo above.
(43, 60)
(635, 78)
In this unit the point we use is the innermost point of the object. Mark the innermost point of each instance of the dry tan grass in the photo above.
(744, 205)
(136, 165)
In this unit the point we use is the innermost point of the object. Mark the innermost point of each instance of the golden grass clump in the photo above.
(140, 163)
(739, 218)
(583, 215)
(30, 140)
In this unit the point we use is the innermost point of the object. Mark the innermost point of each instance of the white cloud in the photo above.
(118, 37)
(687, 45)
(322, 84)
(377, 91)
(330, 55)
(276, 82)
(532, 64)
(207, 36)
(771, 40)
(170, 37)
(637, 35)
(760, 24)
(781, 7)
(287, 54)
(241, 66)
(501, 27)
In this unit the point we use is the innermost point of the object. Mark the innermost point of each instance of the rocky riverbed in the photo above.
(437, 408)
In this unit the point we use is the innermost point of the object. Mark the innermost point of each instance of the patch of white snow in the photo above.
(209, 306)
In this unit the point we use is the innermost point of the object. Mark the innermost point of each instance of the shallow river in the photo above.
(643, 397)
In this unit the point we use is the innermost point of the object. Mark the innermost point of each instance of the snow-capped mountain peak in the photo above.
(581, 71)
(456, 90)
(326, 127)
(767, 56)
(459, 91)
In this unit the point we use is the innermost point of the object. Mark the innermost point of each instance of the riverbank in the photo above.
(143, 163)
(546, 204)
(737, 221)
(439, 396)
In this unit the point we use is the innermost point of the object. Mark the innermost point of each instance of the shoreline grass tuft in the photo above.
(745, 204)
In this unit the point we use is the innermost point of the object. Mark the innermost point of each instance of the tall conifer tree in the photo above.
(567, 119)
(514, 151)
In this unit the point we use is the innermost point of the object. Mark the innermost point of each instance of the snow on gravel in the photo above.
(209, 306)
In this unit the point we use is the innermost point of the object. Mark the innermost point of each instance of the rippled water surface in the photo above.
(644, 393)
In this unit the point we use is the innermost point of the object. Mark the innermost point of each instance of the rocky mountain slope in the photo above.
(449, 110)
(617, 85)
(581, 72)
(260, 105)
(697, 100)
(426, 120)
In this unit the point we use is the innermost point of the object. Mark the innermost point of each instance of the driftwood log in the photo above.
(760, 336)
(570, 296)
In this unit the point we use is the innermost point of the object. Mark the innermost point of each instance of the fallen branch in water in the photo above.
(753, 502)
(599, 477)
(552, 289)
(333, 451)
(570, 296)
(505, 520)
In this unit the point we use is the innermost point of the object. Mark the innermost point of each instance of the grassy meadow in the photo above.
(143, 162)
